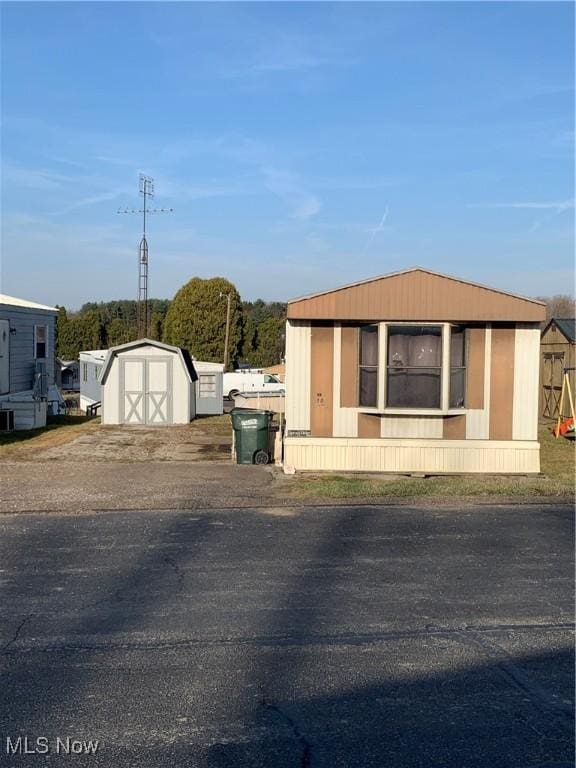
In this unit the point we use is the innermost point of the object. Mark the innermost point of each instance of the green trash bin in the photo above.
(251, 435)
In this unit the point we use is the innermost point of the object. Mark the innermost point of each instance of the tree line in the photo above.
(195, 319)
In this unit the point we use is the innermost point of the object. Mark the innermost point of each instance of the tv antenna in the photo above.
(146, 189)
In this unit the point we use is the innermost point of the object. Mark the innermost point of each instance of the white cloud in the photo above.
(288, 187)
(555, 208)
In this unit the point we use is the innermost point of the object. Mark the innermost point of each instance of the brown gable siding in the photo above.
(502, 383)
(475, 371)
(349, 368)
(368, 425)
(454, 427)
(321, 380)
(416, 295)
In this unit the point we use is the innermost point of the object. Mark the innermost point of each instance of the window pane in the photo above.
(369, 386)
(415, 346)
(369, 345)
(457, 387)
(40, 350)
(457, 347)
(413, 388)
(40, 333)
(207, 385)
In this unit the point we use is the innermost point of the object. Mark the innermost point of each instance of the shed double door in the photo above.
(146, 390)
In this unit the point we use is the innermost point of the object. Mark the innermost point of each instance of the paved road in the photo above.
(332, 638)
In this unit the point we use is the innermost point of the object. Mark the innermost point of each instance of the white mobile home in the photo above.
(147, 382)
(91, 362)
(28, 388)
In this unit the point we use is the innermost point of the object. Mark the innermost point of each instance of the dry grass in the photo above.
(212, 425)
(59, 430)
(207, 438)
(557, 480)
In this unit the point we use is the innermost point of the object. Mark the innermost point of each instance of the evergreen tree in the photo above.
(61, 322)
(269, 343)
(119, 332)
(156, 322)
(196, 319)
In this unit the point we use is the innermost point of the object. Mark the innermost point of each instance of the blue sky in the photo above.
(301, 145)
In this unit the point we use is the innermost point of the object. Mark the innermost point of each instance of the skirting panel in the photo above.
(428, 456)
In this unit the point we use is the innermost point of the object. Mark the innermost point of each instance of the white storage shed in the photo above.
(209, 397)
(147, 382)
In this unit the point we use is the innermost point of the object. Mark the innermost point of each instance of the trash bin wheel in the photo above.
(261, 457)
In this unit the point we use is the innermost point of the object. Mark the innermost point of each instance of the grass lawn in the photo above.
(557, 466)
(212, 425)
(58, 430)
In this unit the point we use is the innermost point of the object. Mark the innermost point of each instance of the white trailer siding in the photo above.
(298, 348)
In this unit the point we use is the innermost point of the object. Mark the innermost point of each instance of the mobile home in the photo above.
(28, 390)
(413, 372)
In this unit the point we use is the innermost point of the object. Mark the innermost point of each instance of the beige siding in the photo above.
(405, 456)
(412, 427)
(416, 295)
(297, 375)
(502, 383)
(526, 369)
(348, 373)
(478, 419)
(345, 420)
(321, 379)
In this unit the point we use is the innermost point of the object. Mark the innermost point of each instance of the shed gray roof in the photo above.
(182, 354)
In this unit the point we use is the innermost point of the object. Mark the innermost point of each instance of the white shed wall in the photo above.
(181, 391)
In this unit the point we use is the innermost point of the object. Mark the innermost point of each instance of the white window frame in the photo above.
(444, 409)
(202, 391)
(36, 342)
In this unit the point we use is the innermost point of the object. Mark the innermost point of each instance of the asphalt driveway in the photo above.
(311, 638)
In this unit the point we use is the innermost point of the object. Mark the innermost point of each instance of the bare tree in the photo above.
(560, 305)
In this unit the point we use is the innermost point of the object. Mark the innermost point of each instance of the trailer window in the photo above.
(40, 342)
(368, 364)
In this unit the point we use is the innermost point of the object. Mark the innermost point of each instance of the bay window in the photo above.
(423, 368)
(457, 396)
(414, 366)
(368, 363)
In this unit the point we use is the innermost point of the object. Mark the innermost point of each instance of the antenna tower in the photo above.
(146, 189)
